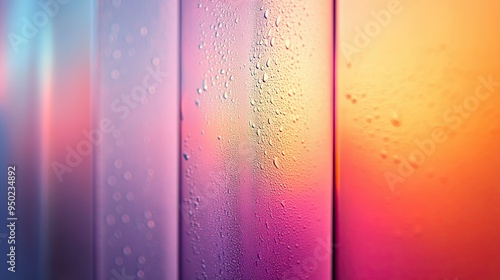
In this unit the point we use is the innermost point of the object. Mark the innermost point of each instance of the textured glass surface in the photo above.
(257, 139)
(136, 105)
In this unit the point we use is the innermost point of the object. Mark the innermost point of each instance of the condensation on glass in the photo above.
(257, 139)
(136, 110)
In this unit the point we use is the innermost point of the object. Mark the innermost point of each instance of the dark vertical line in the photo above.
(334, 115)
(179, 157)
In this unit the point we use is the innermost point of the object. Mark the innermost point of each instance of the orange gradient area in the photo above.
(418, 97)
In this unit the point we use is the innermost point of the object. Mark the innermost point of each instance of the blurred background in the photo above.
(417, 131)
(44, 106)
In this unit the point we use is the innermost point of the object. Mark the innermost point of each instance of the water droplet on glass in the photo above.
(151, 224)
(266, 14)
(118, 260)
(395, 120)
(204, 85)
(269, 33)
(117, 54)
(119, 209)
(127, 175)
(186, 156)
(276, 162)
(118, 164)
(415, 160)
(125, 218)
(155, 61)
(383, 154)
(148, 215)
(127, 251)
(112, 180)
(144, 31)
(130, 196)
(278, 20)
(129, 39)
(115, 74)
(117, 196)
(110, 220)
(288, 44)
